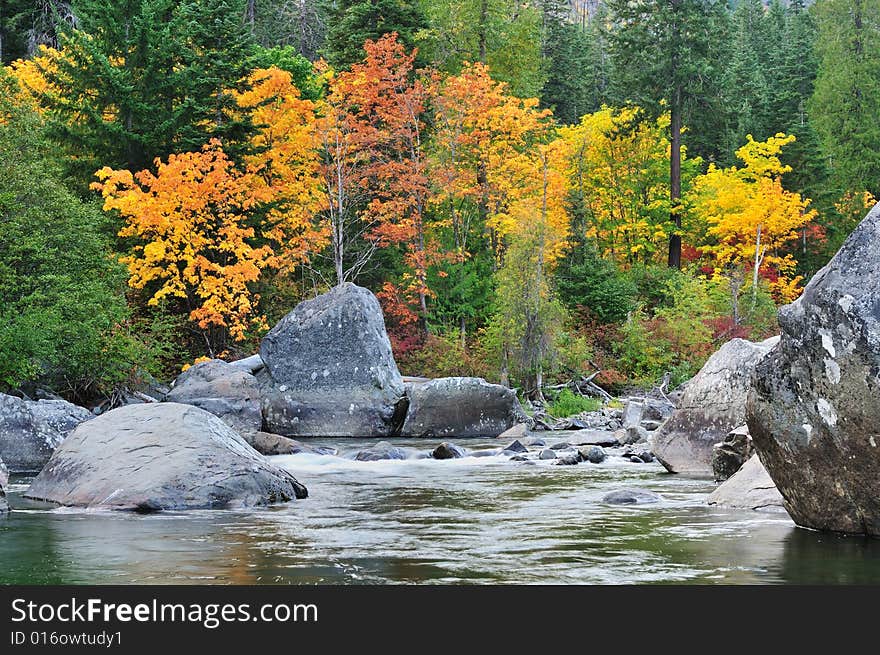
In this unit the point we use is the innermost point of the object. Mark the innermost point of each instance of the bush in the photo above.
(568, 403)
(586, 280)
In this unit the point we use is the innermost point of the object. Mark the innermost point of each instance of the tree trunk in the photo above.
(484, 18)
(675, 180)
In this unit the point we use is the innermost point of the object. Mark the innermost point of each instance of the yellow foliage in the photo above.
(747, 215)
(193, 238)
(619, 168)
(31, 75)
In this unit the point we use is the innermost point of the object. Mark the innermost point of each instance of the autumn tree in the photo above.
(665, 59)
(193, 243)
(750, 219)
(620, 183)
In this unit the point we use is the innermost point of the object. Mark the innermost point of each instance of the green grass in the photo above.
(568, 403)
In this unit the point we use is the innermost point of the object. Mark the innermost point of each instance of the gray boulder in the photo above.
(815, 408)
(749, 488)
(274, 444)
(160, 456)
(460, 407)
(447, 450)
(227, 391)
(631, 497)
(4, 480)
(380, 451)
(547, 454)
(518, 431)
(516, 447)
(31, 430)
(593, 454)
(713, 404)
(329, 370)
(593, 438)
(729, 455)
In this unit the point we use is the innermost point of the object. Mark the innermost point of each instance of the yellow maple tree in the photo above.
(193, 242)
(749, 218)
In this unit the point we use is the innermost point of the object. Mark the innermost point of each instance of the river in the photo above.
(471, 520)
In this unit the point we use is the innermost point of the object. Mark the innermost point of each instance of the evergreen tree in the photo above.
(846, 102)
(301, 25)
(356, 21)
(747, 91)
(576, 64)
(140, 79)
(665, 61)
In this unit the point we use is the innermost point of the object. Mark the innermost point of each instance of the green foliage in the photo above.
(61, 301)
(301, 70)
(584, 279)
(846, 102)
(505, 34)
(567, 403)
(356, 21)
(641, 356)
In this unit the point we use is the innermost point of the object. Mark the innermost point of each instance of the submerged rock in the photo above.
(31, 430)
(329, 370)
(160, 456)
(516, 447)
(226, 390)
(380, 451)
(631, 497)
(569, 459)
(547, 454)
(749, 488)
(815, 408)
(593, 454)
(713, 404)
(460, 407)
(447, 450)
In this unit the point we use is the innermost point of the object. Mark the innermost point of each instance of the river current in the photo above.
(470, 520)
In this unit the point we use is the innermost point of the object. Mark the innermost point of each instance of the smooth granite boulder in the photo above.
(329, 370)
(749, 488)
(713, 404)
(160, 456)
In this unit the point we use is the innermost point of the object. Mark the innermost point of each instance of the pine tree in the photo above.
(356, 21)
(576, 64)
(846, 102)
(664, 60)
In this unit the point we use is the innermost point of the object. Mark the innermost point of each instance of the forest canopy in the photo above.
(534, 189)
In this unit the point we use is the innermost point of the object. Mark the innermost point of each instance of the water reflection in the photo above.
(472, 520)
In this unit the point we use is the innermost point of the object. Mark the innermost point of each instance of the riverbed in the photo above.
(470, 520)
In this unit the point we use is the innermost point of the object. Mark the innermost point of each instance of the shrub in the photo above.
(568, 403)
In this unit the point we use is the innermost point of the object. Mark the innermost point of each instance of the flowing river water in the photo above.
(470, 520)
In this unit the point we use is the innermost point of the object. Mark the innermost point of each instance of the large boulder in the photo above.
(329, 370)
(160, 456)
(460, 407)
(31, 430)
(814, 413)
(226, 390)
(749, 488)
(713, 404)
(4, 480)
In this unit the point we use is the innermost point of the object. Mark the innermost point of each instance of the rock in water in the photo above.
(631, 497)
(593, 454)
(4, 480)
(447, 450)
(518, 431)
(713, 404)
(160, 456)
(30, 431)
(274, 444)
(225, 390)
(815, 409)
(380, 451)
(730, 455)
(460, 407)
(329, 369)
(749, 488)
